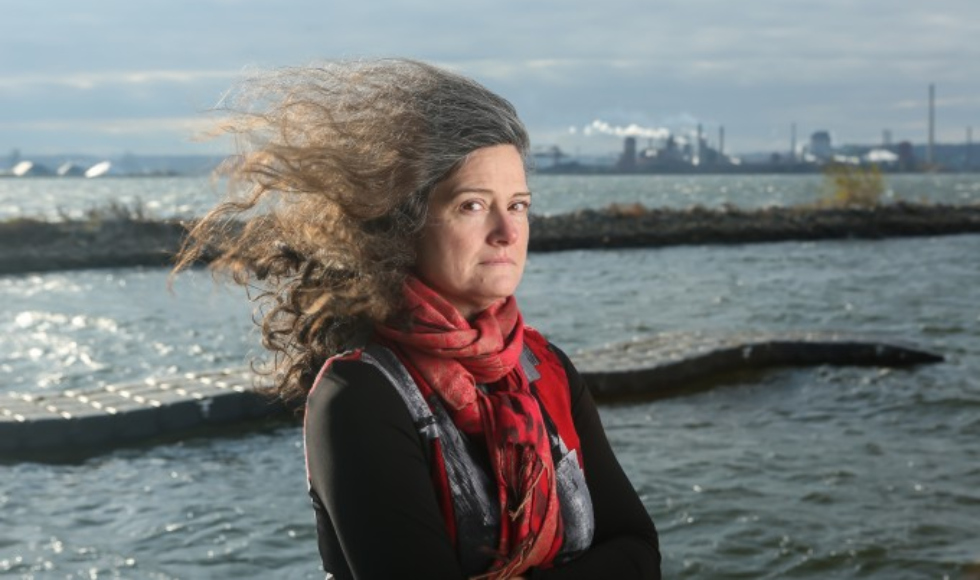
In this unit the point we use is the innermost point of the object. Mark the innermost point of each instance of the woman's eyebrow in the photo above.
(465, 189)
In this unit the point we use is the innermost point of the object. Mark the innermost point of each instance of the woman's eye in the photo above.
(521, 206)
(471, 206)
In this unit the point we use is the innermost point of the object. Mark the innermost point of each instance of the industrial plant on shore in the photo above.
(685, 152)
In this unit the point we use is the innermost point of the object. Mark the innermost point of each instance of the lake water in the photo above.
(826, 472)
(188, 196)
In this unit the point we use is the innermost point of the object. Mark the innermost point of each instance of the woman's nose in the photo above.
(505, 230)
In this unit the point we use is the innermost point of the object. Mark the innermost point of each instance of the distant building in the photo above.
(671, 152)
(30, 169)
(70, 169)
(666, 157)
(548, 157)
(820, 146)
(628, 160)
(883, 158)
(906, 156)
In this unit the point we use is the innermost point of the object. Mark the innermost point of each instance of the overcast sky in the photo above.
(108, 76)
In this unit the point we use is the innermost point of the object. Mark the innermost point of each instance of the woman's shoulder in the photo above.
(350, 385)
(560, 360)
(541, 345)
(537, 341)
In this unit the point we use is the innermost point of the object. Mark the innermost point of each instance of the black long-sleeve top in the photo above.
(376, 508)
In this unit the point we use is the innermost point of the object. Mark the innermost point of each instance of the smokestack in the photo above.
(932, 124)
(792, 142)
(628, 161)
(700, 145)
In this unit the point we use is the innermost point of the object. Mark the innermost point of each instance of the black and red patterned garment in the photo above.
(378, 511)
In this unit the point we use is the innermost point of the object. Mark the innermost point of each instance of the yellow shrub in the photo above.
(852, 185)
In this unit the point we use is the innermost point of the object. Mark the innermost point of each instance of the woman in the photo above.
(385, 215)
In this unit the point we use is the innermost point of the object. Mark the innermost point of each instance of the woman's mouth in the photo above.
(498, 261)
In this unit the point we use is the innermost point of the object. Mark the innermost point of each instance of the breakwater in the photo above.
(632, 226)
(37, 425)
(36, 246)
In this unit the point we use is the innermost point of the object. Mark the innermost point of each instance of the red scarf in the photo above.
(451, 355)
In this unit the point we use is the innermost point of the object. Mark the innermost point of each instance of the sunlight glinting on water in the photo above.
(844, 472)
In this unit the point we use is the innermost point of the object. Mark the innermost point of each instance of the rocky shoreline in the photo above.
(633, 226)
(37, 246)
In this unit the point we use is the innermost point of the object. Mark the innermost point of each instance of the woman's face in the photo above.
(474, 245)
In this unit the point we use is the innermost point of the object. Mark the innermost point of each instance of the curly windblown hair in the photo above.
(329, 195)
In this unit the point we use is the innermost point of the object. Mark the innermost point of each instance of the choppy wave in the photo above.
(165, 197)
(802, 473)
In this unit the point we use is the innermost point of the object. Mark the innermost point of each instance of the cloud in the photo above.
(956, 101)
(188, 126)
(631, 130)
(93, 80)
(852, 67)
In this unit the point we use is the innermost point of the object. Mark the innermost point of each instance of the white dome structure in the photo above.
(99, 169)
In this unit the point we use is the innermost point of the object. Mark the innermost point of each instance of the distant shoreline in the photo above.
(28, 246)
(575, 170)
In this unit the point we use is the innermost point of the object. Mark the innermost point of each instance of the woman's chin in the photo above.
(498, 292)
(475, 302)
